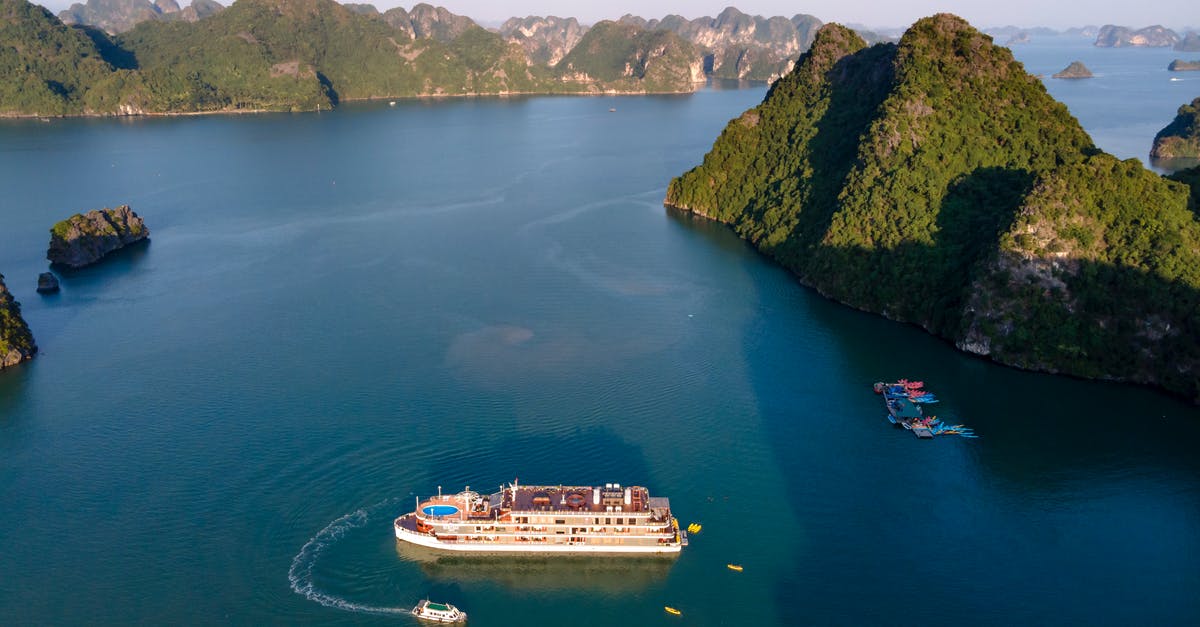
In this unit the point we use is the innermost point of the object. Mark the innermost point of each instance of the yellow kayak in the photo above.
(737, 567)
(671, 610)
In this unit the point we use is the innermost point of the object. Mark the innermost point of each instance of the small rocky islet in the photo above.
(78, 241)
(84, 239)
(1075, 70)
(1179, 65)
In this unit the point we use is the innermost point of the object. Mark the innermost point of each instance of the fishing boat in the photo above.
(545, 519)
(439, 612)
(903, 400)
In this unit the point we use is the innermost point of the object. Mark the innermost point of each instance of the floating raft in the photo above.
(904, 399)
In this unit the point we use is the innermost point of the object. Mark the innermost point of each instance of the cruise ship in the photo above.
(545, 519)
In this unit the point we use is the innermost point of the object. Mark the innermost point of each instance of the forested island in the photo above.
(937, 183)
(131, 57)
(301, 55)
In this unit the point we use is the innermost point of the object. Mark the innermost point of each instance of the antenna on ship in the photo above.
(439, 492)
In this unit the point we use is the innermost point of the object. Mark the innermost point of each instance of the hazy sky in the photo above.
(981, 13)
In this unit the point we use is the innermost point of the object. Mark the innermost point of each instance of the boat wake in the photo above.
(301, 572)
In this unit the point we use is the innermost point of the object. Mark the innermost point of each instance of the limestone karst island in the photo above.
(935, 182)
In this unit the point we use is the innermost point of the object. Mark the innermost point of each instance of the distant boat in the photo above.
(1175, 78)
(671, 610)
(439, 612)
(392, 103)
(737, 567)
(613, 110)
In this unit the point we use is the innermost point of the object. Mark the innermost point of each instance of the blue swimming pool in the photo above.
(439, 510)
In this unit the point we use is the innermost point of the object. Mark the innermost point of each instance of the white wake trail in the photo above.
(301, 572)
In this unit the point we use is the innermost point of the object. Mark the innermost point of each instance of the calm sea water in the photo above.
(1131, 97)
(338, 312)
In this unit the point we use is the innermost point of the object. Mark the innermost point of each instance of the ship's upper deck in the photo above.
(535, 499)
(580, 499)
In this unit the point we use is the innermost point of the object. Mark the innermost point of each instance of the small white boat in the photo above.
(439, 612)
(392, 103)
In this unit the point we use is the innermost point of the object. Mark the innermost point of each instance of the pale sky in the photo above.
(981, 13)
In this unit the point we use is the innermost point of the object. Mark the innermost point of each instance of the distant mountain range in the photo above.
(733, 44)
(1112, 36)
(118, 16)
(120, 57)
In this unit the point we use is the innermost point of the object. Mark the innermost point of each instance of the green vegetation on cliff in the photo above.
(300, 55)
(47, 68)
(1180, 138)
(936, 182)
(16, 342)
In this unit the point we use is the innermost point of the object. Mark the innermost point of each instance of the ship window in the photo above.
(608, 521)
(620, 521)
(560, 521)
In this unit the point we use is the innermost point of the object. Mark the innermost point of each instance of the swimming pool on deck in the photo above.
(439, 510)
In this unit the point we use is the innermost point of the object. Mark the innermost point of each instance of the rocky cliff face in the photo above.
(118, 16)
(425, 21)
(741, 46)
(1121, 36)
(546, 40)
(1180, 138)
(623, 57)
(198, 10)
(16, 342)
(84, 239)
(937, 183)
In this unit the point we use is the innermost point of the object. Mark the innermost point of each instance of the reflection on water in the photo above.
(608, 574)
(1174, 164)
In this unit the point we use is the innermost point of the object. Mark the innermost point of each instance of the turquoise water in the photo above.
(338, 313)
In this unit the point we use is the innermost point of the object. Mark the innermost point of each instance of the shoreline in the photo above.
(1156, 387)
(167, 114)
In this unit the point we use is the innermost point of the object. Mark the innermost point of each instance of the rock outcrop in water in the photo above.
(83, 239)
(16, 342)
(1075, 70)
(47, 283)
(937, 183)
(1180, 138)
(1179, 65)
(1122, 36)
